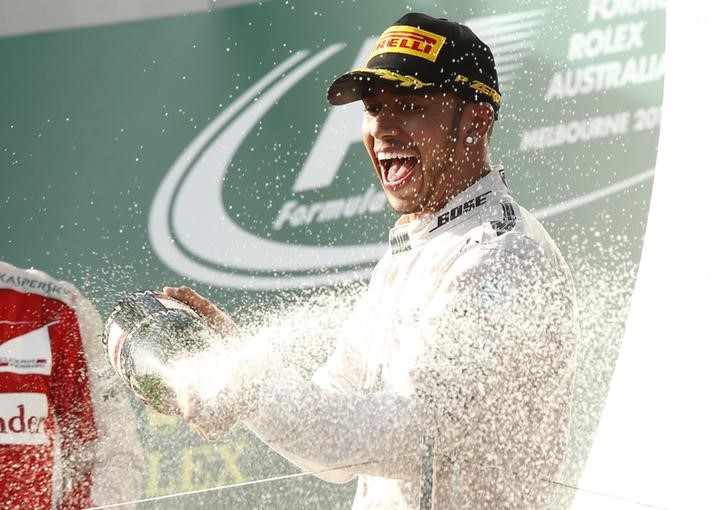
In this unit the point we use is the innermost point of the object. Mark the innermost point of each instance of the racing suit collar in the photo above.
(404, 237)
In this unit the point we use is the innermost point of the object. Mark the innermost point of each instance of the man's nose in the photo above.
(385, 125)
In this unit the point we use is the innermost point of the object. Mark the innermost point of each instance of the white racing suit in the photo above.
(451, 385)
(68, 437)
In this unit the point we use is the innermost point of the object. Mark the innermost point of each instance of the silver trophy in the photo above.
(143, 336)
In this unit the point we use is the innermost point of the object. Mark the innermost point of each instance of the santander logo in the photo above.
(192, 233)
(23, 418)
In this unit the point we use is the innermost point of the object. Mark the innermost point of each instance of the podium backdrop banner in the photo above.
(199, 149)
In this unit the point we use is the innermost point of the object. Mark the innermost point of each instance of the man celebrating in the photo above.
(450, 386)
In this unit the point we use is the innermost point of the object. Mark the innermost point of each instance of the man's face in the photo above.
(412, 142)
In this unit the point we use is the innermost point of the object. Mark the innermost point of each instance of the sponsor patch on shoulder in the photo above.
(508, 222)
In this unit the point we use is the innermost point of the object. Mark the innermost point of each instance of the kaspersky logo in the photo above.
(192, 231)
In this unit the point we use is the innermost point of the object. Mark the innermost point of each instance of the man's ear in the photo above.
(480, 117)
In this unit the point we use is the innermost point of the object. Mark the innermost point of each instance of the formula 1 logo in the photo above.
(191, 229)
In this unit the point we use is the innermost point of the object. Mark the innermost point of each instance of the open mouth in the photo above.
(396, 169)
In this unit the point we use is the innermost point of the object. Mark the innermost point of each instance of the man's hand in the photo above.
(215, 317)
(209, 397)
(208, 383)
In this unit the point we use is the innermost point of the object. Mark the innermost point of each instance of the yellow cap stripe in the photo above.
(405, 80)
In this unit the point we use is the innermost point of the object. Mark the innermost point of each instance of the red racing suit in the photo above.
(66, 434)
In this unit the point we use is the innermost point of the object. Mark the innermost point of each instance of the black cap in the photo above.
(420, 53)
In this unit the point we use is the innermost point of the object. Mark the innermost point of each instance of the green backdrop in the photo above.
(195, 149)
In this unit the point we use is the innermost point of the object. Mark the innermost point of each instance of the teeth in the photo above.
(384, 156)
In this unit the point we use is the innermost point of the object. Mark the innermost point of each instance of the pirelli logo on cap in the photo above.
(410, 41)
